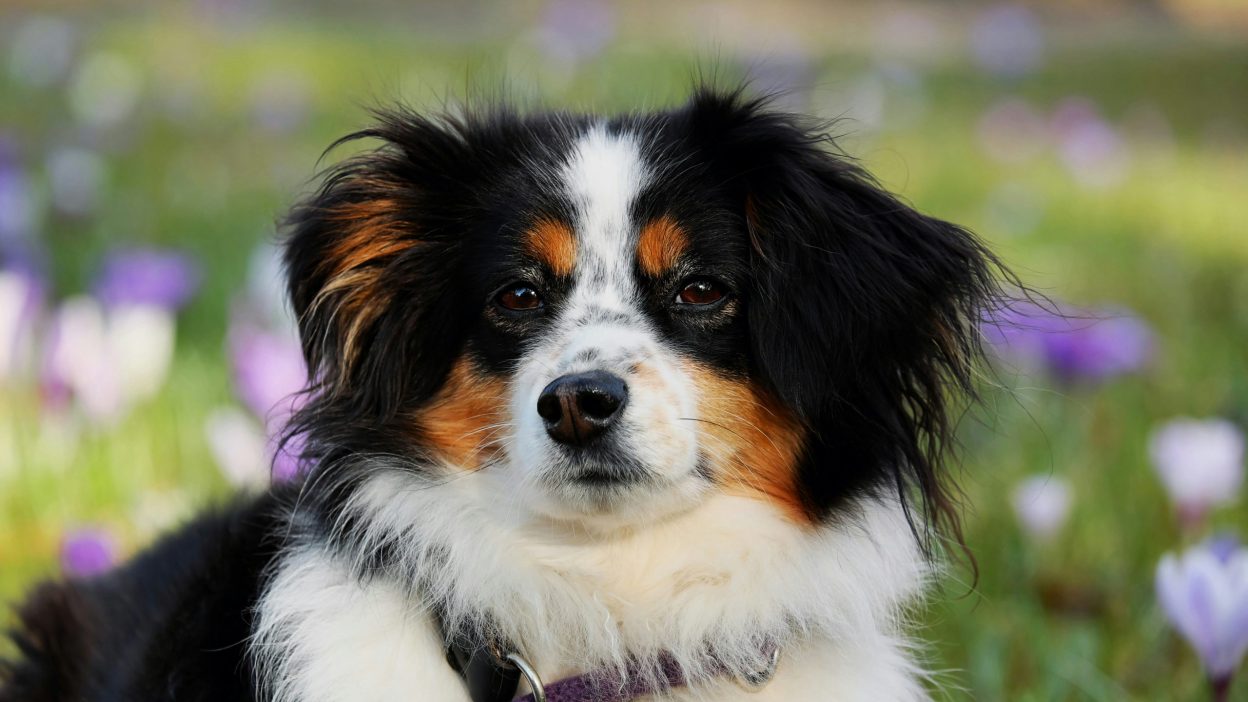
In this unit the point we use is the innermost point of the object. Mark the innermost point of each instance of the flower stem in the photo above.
(1221, 688)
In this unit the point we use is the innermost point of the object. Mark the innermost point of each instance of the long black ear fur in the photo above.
(864, 313)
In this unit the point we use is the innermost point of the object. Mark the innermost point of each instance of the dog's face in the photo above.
(621, 332)
(615, 318)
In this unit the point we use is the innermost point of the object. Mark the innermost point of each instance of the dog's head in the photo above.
(614, 318)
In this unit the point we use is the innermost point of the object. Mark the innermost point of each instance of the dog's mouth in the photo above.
(602, 469)
(604, 479)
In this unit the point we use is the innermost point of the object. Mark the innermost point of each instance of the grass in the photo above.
(1070, 619)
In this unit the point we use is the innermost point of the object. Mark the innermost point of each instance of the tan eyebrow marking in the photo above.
(661, 245)
(554, 244)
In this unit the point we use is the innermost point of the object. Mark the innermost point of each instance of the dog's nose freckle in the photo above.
(580, 407)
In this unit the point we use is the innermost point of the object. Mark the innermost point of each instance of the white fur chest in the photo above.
(722, 576)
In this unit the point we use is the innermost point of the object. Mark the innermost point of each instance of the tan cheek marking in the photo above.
(463, 420)
(661, 245)
(554, 244)
(751, 440)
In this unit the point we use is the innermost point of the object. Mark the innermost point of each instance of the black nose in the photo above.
(579, 408)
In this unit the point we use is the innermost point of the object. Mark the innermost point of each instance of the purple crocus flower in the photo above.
(1111, 343)
(286, 458)
(269, 377)
(87, 552)
(161, 278)
(1072, 345)
(1204, 594)
(269, 372)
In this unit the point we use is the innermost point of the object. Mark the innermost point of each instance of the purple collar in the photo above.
(607, 686)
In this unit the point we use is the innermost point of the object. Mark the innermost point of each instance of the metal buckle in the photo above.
(530, 675)
(756, 680)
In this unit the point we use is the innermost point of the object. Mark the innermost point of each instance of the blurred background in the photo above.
(147, 151)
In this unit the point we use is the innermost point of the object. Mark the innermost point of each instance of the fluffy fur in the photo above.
(785, 337)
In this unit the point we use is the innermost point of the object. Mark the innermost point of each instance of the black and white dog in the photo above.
(657, 402)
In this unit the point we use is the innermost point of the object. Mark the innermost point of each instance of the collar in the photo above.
(492, 671)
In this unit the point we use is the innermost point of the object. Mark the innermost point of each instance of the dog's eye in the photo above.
(519, 297)
(700, 291)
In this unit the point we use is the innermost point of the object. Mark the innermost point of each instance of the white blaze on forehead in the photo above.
(603, 177)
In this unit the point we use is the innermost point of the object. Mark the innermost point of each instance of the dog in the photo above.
(654, 406)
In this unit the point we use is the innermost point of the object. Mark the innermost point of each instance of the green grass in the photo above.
(1071, 619)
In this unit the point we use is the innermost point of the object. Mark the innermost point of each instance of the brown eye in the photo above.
(700, 291)
(519, 298)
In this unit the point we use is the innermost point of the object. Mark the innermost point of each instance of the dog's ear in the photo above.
(371, 260)
(863, 313)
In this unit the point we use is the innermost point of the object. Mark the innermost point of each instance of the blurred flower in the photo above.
(87, 552)
(269, 377)
(1091, 148)
(159, 278)
(1115, 343)
(42, 50)
(1007, 40)
(105, 360)
(280, 100)
(1200, 462)
(21, 300)
(19, 207)
(1012, 131)
(238, 444)
(105, 90)
(1223, 546)
(77, 179)
(78, 363)
(1204, 594)
(1042, 503)
(269, 372)
(575, 30)
(141, 341)
(1071, 345)
(286, 458)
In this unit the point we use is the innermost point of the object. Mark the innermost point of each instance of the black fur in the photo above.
(170, 625)
(855, 310)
